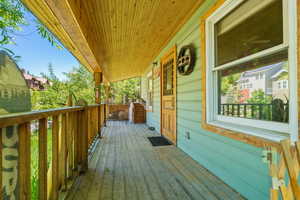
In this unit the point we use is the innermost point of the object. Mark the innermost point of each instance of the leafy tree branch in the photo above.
(12, 18)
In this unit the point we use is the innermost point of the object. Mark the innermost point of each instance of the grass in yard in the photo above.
(35, 160)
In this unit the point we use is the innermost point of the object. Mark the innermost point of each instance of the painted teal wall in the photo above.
(153, 118)
(236, 163)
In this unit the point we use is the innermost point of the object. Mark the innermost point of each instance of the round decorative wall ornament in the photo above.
(186, 60)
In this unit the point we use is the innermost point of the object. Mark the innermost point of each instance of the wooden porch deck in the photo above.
(126, 166)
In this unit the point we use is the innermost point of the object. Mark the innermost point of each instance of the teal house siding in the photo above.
(236, 163)
(155, 115)
(153, 118)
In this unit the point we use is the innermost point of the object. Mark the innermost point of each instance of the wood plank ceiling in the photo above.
(119, 37)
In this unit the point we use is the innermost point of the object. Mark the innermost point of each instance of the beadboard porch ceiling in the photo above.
(118, 37)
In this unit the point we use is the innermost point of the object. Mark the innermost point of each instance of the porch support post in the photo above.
(107, 90)
(98, 78)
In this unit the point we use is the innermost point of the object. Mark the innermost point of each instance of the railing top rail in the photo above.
(94, 105)
(19, 118)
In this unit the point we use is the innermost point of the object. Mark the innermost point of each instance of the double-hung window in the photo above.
(247, 39)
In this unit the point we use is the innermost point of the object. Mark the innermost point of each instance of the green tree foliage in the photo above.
(12, 18)
(259, 97)
(46, 34)
(78, 82)
(125, 91)
(81, 83)
(228, 83)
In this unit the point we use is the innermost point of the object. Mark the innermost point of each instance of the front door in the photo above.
(168, 95)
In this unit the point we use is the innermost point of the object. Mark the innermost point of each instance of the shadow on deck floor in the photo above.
(126, 166)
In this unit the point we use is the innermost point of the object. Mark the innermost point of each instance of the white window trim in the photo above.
(149, 75)
(274, 131)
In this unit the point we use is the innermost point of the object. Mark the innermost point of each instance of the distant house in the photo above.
(258, 79)
(280, 85)
(34, 82)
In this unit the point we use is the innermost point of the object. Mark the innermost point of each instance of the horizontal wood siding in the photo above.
(236, 163)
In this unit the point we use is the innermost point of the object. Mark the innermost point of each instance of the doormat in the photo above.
(159, 141)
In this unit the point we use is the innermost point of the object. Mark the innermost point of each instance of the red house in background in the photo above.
(34, 82)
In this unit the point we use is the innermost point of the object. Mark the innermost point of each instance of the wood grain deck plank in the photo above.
(126, 166)
(157, 169)
(97, 175)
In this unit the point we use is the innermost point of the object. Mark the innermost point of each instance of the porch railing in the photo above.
(73, 131)
(256, 111)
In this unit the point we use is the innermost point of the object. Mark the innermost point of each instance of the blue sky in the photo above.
(36, 52)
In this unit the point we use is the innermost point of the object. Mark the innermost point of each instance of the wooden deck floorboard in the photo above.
(126, 166)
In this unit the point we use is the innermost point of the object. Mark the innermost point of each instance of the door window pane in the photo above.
(168, 77)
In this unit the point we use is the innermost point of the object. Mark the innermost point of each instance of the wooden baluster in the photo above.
(99, 121)
(69, 140)
(88, 124)
(80, 138)
(102, 116)
(77, 141)
(73, 143)
(91, 125)
(42, 159)
(85, 140)
(24, 162)
(55, 159)
(92, 122)
(73, 140)
(63, 153)
(94, 119)
(245, 111)
(238, 110)
(104, 119)
(97, 124)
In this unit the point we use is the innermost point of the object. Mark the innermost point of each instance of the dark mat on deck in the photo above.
(159, 141)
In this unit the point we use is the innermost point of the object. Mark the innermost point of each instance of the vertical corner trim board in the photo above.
(236, 161)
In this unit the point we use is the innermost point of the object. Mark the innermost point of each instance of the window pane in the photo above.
(242, 95)
(252, 27)
(168, 77)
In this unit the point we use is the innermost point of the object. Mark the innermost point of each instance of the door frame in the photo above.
(172, 50)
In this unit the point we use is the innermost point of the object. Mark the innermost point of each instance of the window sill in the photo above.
(253, 131)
